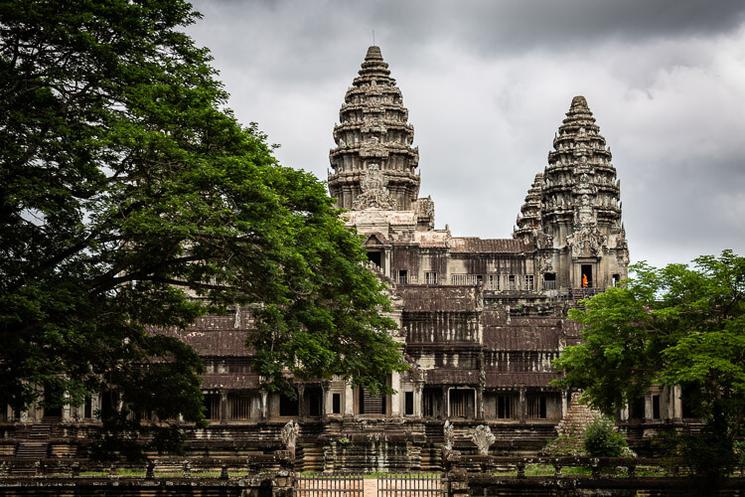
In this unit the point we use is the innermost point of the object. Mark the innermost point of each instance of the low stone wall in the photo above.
(260, 486)
(487, 486)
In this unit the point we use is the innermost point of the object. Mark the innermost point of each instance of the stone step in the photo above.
(28, 450)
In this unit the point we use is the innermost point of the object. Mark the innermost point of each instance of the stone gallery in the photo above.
(480, 319)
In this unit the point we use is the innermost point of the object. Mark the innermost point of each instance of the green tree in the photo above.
(132, 199)
(678, 325)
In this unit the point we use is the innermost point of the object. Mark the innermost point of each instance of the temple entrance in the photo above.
(586, 276)
(53, 400)
(376, 257)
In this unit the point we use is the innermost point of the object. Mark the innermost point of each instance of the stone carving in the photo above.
(425, 207)
(374, 193)
(289, 435)
(449, 435)
(543, 240)
(483, 438)
(545, 263)
(588, 241)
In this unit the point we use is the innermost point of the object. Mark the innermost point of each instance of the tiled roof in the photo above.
(442, 376)
(439, 298)
(523, 334)
(521, 338)
(230, 380)
(216, 335)
(475, 245)
(500, 379)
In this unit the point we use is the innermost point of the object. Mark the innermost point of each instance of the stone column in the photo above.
(349, 400)
(480, 402)
(418, 400)
(222, 408)
(96, 405)
(648, 411)
(624, 414)
(66, 407)
(522, 406)
(301, 400)
(396, 395)
(264, 405)
(326, 401)
(445, 407)
(564, 403)
(677, 402)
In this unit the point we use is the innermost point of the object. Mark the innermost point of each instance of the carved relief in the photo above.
(374, 193)
(588, 241)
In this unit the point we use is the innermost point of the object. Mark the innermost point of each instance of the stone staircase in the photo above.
(36, 446)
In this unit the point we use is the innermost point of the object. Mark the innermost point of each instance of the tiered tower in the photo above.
(373, 153)
(529, 220)
(581, 241)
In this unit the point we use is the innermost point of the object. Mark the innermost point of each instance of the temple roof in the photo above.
(440, 298)
(475, 245)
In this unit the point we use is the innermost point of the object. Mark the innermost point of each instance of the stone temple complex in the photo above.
(480, 319)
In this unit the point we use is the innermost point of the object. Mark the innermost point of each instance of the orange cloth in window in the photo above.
(584, 281)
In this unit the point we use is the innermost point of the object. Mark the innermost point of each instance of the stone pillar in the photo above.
(480, 402)
(677, 402)
(66, 407)
(445, 407)
(223, 406)
(522, 406)
(326, 406)
(564, 403)
(624, 414)
(301, 400)
(349, 400)
(648, 411)
(96, 405)
(264, 398)
(396, 395)
(418, 400)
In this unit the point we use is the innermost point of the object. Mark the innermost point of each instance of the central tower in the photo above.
(374, 164)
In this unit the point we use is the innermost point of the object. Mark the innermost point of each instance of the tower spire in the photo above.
(374, 138)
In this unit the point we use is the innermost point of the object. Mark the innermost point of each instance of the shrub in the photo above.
(602, 439)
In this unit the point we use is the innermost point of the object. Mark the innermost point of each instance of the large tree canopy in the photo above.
(131, 198)
(678, 325)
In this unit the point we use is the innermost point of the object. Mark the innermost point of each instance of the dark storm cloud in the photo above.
(487, 84)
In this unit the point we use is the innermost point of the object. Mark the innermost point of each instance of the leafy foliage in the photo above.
(670, 326)
(132, 200)
(602, 440)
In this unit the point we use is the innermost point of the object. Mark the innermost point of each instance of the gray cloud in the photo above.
(487, 84)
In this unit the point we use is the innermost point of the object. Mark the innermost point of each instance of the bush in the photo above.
(602, 440)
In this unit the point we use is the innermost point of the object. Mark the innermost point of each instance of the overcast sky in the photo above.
(487, 84)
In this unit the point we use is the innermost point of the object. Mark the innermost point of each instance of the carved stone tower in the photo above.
(374, 164)
(580, 239)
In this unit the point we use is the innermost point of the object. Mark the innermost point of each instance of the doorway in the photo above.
(586, 276)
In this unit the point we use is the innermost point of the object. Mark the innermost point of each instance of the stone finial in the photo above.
(579, 102)
(448, 433)
(483, 438)
(289, 435)
(373, 52)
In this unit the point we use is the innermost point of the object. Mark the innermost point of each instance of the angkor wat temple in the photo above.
(480, 319)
